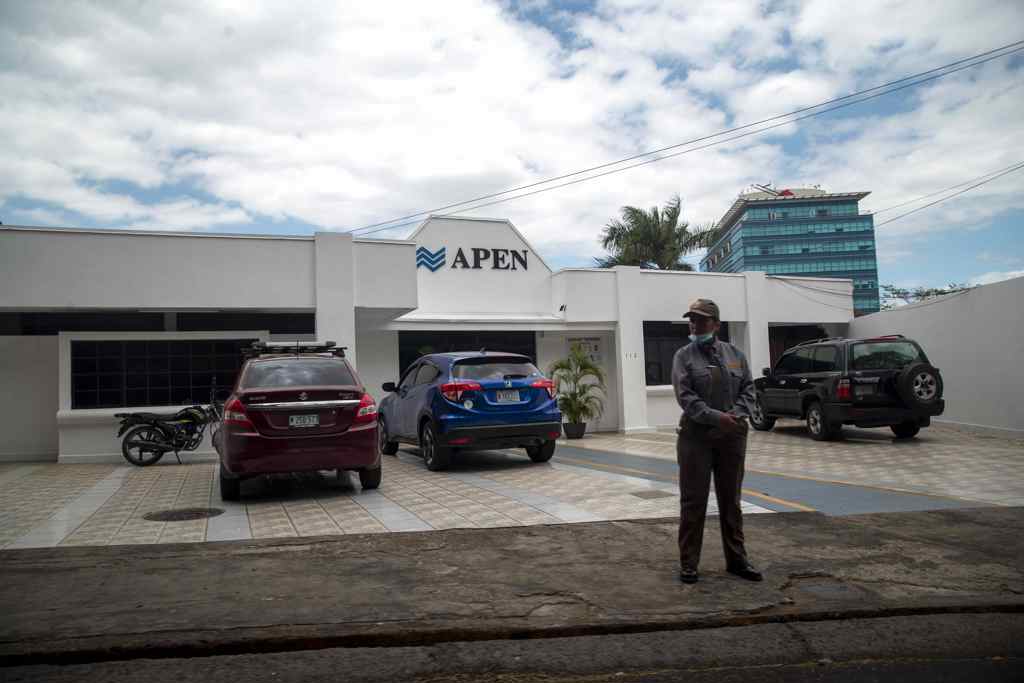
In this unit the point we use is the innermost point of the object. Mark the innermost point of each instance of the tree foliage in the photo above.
(892, 296)
(655, 238)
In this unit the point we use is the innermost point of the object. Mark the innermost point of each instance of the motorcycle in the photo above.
(148, 436)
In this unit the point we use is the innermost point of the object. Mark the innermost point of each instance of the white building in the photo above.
(92, 322)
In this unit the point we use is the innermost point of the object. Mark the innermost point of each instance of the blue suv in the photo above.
(470, 400)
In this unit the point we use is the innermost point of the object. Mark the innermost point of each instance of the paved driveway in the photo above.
(942, 461)
(48, 504)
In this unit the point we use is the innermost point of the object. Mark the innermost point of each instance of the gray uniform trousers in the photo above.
(701, 453)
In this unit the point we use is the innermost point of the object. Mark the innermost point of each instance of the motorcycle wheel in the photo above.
(133, 446)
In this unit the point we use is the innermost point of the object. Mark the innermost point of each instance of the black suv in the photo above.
(879, 382)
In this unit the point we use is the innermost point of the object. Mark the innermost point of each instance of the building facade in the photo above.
(94, 322)
(803, 232)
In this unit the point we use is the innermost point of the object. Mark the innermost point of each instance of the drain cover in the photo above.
(182, 514)
(651, 494)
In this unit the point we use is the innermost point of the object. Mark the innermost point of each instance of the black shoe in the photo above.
(745, 571)
(687, 575)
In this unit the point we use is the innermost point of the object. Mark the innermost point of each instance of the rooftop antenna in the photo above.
(767, 187)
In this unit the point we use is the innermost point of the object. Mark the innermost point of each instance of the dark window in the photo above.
(490, 370)
(409, 378)
(297, 372)
(116, 374)
(427, 374)
(52, 323)
(795, 362)
(275, 323)
(825, 359)
(821, 212)
(412, 345)
(885, 355)
(661, 341)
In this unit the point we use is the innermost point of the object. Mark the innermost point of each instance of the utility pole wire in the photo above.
(885, 89)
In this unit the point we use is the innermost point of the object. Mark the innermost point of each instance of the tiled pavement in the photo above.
(49, 504)
(941, 461)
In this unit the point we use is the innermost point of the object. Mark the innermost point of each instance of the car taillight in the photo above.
(453, 390)
(367, 411)
(843, 392)
(545, 384)
(234, 414)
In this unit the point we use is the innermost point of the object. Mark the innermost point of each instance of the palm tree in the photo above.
(653, 239)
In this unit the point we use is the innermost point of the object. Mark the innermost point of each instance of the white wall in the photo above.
(385, 274)
(67, 269)
(28, 398)
(976, 339)
(378, 359)
(588, 295)
(457, 290)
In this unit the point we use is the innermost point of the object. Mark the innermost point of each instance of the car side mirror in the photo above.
(767, 372)
(389, 387)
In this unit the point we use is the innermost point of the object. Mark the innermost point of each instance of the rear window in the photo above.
(885, 355)
(494, 370)
(297, 372)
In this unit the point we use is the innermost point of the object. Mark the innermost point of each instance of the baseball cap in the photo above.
(703, 307)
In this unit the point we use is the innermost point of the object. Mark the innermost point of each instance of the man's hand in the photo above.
(728, 423)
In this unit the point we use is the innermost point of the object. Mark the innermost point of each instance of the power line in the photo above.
(955, 194)
(951, 187)
(857, 97)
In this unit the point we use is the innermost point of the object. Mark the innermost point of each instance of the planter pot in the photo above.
(574, 430)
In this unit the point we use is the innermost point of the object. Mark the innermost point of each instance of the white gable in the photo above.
(466, 265)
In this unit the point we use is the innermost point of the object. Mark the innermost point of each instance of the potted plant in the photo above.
(577, 380)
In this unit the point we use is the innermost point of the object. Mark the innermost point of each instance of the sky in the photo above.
(291, 118)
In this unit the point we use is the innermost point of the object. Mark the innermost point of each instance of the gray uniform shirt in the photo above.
(695, 368)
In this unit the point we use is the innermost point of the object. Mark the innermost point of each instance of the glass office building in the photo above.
(804, 231)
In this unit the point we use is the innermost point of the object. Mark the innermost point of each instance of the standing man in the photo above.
(713, 385)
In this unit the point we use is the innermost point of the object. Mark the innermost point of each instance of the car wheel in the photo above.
(370, 479)
(436, 457)
(820, 429)
(230, 487)
(542, 452)
(906, 430)
(919, 385)
(760, 421)
(386, 447)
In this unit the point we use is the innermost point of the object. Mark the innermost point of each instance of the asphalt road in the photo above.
(937, 649)
(773, 491)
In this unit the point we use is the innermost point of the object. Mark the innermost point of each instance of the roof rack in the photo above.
(818, 341)
(261, 348)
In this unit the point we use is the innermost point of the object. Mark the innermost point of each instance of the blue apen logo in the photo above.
(432, 261)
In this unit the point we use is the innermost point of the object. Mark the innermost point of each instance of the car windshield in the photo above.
(297, 372)
(495, 370)
(885, 355)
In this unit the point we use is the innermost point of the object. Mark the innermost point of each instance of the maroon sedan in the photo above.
(297, 412)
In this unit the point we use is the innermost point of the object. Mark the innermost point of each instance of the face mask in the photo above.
(702, 338)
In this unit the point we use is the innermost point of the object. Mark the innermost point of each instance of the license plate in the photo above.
(864, 389)
(303, 420)
(508, 396)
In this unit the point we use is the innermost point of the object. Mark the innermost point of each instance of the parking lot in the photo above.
(49, 504)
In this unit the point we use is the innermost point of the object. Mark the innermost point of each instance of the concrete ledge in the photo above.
(117, 458)
(980, 430)
(28, 457)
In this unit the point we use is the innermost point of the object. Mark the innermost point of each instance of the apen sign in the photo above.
(479, 258)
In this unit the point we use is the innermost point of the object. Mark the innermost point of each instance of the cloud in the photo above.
(179, 115)
(996, 276)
